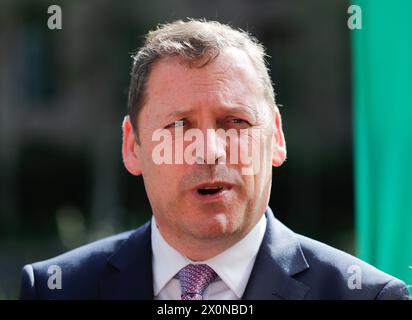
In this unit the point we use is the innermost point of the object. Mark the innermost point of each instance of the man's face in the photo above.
(203, 201)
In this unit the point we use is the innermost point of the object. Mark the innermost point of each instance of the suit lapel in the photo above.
(129, 271)
(279, 258)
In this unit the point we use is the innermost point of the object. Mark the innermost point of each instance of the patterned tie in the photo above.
(194, 278)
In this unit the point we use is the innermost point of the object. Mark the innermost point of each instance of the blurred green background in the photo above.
(382, 95)
(63, 96)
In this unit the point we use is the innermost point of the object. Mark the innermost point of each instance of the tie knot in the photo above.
(194, 278)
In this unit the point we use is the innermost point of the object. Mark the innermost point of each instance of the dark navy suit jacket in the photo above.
(288, 266)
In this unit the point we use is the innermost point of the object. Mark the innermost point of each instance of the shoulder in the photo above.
(78, 270)
(334, 274)
(90, 255)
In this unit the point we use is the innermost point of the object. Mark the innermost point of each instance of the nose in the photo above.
(214, 148)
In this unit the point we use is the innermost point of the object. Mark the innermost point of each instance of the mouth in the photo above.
(212, 191)
(209, 190)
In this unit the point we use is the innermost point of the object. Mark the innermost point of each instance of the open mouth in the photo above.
(209, 190)
(212, 191)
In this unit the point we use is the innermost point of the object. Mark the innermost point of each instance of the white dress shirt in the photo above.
(233, 266)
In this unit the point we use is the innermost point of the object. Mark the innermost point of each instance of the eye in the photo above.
(176, 124)
(239, 121)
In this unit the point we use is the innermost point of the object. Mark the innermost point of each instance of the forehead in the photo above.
(230, 79)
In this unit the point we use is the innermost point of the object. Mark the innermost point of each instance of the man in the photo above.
(200, 102)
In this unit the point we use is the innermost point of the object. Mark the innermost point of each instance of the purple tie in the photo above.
(194, 278)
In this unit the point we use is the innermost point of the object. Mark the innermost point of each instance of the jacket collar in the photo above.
(280, 257)
(129, 272)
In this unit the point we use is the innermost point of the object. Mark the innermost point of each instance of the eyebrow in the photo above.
(180, 113)
(228, 108)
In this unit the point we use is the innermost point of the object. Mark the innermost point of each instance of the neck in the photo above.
(203, 249)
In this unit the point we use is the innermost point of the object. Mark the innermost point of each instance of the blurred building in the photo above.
(63, 96)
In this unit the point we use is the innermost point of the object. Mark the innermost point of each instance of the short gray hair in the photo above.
(197, 42)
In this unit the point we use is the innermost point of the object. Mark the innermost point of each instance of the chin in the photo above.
(216, 226)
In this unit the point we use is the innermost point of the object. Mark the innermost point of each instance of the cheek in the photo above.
(161, 184)
(254, 151)
(154, 175)
(258, 153)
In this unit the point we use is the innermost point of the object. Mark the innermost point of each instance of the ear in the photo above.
(130, 149)
(279, 144)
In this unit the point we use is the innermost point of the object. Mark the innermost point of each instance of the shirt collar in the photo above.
(167, 261)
